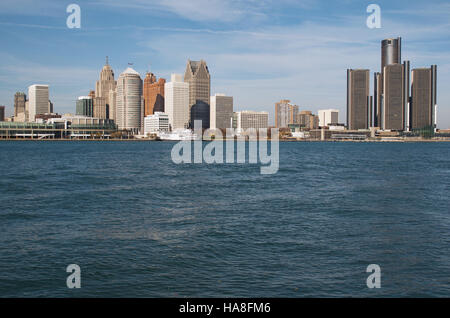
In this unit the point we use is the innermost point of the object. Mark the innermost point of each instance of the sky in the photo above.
(258, 51)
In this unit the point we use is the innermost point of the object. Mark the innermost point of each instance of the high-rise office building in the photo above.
(153, 94)
(129, 102)
(221, 111)
(328, 117)
(249, 119)
(199, 80)
(113, 104)
(104, 85)
(391, 88)
(423, 98)
(2, 113)
(85, 106)
(358, 99)
(177, 102)
(285, 113)
(19, 103)
(391, 52)
(38, 100)
(377, 99)
(395, 96)
(101, 108)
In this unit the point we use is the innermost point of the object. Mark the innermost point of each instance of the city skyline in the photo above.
(276, 61)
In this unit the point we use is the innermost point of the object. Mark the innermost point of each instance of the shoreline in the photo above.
(411, 140)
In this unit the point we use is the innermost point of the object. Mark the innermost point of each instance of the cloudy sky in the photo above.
(259, 51)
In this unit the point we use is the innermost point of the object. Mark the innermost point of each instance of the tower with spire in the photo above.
(103, 107)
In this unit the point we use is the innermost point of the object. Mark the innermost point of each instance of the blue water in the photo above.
(140, 226)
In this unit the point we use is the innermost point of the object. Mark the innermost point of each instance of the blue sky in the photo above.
(259, 51)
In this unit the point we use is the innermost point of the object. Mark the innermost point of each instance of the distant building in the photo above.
(45, 117)
(423, 98)
(19, 103)
(221, 111)
(307, 120)
(285, 113)
(55, 126)
(396, 95)
(113, 104)
(85, 106)
(2, 113)
(391, 52)
(391, 88)
(106, 83)
(199, 80)
(38, 100)
(177, 102)
(377, 99)
(129, 102)
(249, 119)
(158, 122)
(101, 109)
(328, 117)
(153, 94)
(358, 99)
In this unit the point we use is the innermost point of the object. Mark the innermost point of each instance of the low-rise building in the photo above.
(154, 124)
(250, 119)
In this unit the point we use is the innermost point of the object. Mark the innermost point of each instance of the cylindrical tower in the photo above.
(391, 52)
(128, 100)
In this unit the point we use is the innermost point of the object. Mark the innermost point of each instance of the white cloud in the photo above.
(211, 10)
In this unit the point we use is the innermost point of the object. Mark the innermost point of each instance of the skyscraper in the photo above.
(377, 99)
(423, 98)
(153, 94)
(221, 111)
(101, 108)
(391, 87)
(129, 101)
(177, 102)
(19, 103)
(393, 112)
(391, 52)
(285, 113)
(85, 106)
(104, 85)
(38, 100)
(199, 80)
(112, 104)
(2, 113)
(358, 99)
